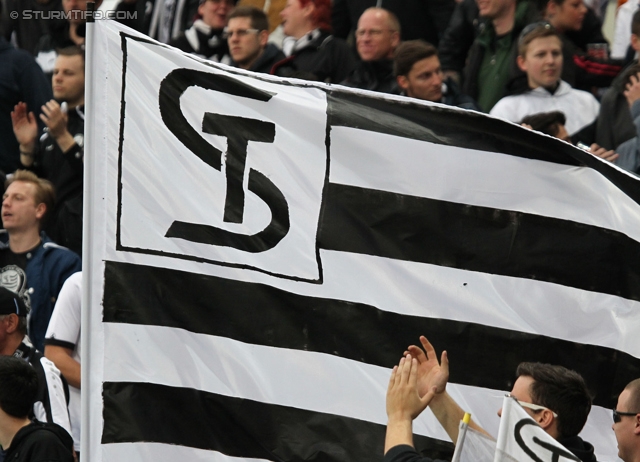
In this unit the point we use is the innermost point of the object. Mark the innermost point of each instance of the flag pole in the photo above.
(464, 425)
(87, 244)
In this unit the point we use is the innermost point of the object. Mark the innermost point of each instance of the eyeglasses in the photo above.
(226, 33)
(532, 28)
(617, 415)
(533, 407)
(372, 32)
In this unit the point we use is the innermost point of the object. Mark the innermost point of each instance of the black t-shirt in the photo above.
(13, 274)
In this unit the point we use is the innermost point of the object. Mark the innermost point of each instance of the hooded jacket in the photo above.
(40, 442)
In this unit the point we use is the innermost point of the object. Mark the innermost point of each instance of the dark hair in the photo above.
(634, 396)
(74, 50)
(410, 52)
(546, 122)
(45, 193)
(257, 17)
(322, 15)
(532, 32)
(18, 386)
(635, 23)
(561, 390)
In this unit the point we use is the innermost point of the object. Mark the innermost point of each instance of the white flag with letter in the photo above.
(473, 445)
(520, 438)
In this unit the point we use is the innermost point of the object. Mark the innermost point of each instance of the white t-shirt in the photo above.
(64, 330)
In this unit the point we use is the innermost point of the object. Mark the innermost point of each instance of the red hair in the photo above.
(322, 13)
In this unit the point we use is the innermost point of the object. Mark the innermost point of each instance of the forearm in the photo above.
(65, 141)
(449, 414)
(399, 431)
(69, 367)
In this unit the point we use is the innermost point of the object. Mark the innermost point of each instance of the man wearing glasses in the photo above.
(377, 37)
(247, 33)
(626, 422)
(555, 397)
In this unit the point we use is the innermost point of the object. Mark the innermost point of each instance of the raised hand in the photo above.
(403, 401)
(25, 127)
(432, 374)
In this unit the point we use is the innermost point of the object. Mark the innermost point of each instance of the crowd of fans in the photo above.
(541, 63)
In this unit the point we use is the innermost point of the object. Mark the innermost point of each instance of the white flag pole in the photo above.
(87, 220)
(462, 433)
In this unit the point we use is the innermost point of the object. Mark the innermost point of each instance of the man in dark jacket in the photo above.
(377, 37)
(247, 34)
(23, 439)
(419, 74)
(58, 155)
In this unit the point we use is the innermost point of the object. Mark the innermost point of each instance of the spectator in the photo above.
(51, 402)
(62, 345)
(162, 20)
(622, 32)
(417, 69)
(553, 124)
(204, 38)
(247, 34)
(21, 79)
(492, 58)
(615, 125)
(30, 264)
(555, 397)
(311, 51)
(540, 57)
(626, 422)
(64, 34)
(630, 150)
(22, 439)
(27, 29)
(58, 155)
(377, 37)
(419, 19)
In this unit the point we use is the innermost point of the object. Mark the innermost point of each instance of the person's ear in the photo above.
(41, 209)
(403, 82)
(522, 63)
(263, 38)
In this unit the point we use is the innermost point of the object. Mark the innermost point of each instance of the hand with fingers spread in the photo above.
(403, 403)
(25, 127)
(431, 373)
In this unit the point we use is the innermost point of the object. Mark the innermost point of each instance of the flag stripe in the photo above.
(417, 168)
(143, 295)
(158, 452)
(145, 412)
(464, 129)
(480, 239)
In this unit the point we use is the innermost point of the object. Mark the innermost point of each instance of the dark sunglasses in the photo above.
(617, 415)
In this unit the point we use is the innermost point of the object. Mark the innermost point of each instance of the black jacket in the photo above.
(405, 453)
(326, 59)
(65, 171)
(40, 442)
(203, 41)
(579, 447)
(614, 124)
(266, 60)
(375, 76)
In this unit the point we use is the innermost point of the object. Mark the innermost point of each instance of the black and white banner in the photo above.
(264, 250)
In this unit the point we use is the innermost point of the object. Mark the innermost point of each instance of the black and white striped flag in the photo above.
(263, 251)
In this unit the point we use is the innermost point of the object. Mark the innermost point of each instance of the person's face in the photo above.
(424, 80)
(68, 79)
(542, 62)
(374, 38)
(245, 43)
(493, 8)
(567, 16)
(214, 12)
(627, 431)
(522, 392)
(296, 18)
(19, 209)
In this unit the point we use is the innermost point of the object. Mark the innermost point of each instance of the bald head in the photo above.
(378, 34)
